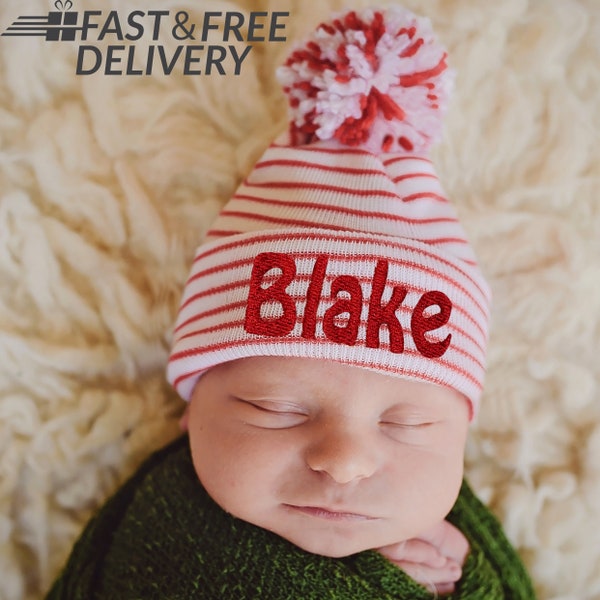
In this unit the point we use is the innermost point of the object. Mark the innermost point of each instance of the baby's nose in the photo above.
(343, 454)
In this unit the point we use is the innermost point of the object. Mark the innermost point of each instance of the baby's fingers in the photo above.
(414, 551)
(440, 580)
(449, 540)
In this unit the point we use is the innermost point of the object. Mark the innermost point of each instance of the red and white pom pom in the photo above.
(377, 80)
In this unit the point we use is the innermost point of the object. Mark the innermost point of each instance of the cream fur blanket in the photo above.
(108, 183)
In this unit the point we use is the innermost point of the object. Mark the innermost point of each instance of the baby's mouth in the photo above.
(329, 514)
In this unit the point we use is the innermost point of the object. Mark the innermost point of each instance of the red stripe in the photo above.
(226, 287)
(413, 176)
(219, 269)
(420, 195)
(395, 159)
(365, 280)
(213, 328)
(295, 185)
(252, 216)
(355, 151)
(240, 322)
(391, 369)
(280, 221)
(210, 313)
(222, 232)
(447, 240)
(341, 170)
(342, 209)
(318, 236)
(318, 166)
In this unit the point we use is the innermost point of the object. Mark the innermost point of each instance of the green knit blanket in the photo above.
(162, 537)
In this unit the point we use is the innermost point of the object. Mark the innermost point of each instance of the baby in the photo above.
(320, 453)
(331, 344)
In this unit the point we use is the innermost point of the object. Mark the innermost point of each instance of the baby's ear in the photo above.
(184, 420)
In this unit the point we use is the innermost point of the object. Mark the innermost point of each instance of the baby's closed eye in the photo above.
(409, 427)
(271, 414)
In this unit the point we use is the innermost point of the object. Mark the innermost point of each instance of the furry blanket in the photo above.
(108, 183)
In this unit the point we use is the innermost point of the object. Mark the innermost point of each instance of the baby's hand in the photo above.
(434, 559)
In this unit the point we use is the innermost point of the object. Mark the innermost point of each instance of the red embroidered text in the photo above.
(342, 318)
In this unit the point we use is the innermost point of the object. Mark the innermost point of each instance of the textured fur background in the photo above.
(107, 184)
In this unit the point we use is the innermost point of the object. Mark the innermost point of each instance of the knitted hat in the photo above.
(340, 244)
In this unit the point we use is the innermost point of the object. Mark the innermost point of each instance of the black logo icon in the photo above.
(60, 24)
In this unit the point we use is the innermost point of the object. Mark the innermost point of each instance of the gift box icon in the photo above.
(62, 22)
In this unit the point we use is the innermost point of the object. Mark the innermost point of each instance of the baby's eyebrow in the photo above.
(273, 398)
(418, 405)
(409, 407)
(266, 390)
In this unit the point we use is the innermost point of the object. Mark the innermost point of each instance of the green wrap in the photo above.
(162, 537)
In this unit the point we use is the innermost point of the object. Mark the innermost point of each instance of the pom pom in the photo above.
(377, 80)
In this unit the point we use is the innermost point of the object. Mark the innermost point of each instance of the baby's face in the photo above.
(333, 458)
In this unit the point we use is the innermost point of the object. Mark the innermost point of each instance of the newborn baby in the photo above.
(331, 344)
(335, 459)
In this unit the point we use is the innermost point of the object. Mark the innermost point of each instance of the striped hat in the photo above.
(341, 244)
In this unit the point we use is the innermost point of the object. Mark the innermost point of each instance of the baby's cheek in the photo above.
(231, 471)
(448, 477)
(222, 483)
(433, 476)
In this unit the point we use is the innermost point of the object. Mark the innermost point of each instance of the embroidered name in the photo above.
(341, 320)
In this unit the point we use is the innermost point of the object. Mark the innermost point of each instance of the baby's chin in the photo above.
(338, 545)
(329, 547)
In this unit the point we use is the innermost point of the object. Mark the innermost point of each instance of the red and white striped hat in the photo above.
(341, 244)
